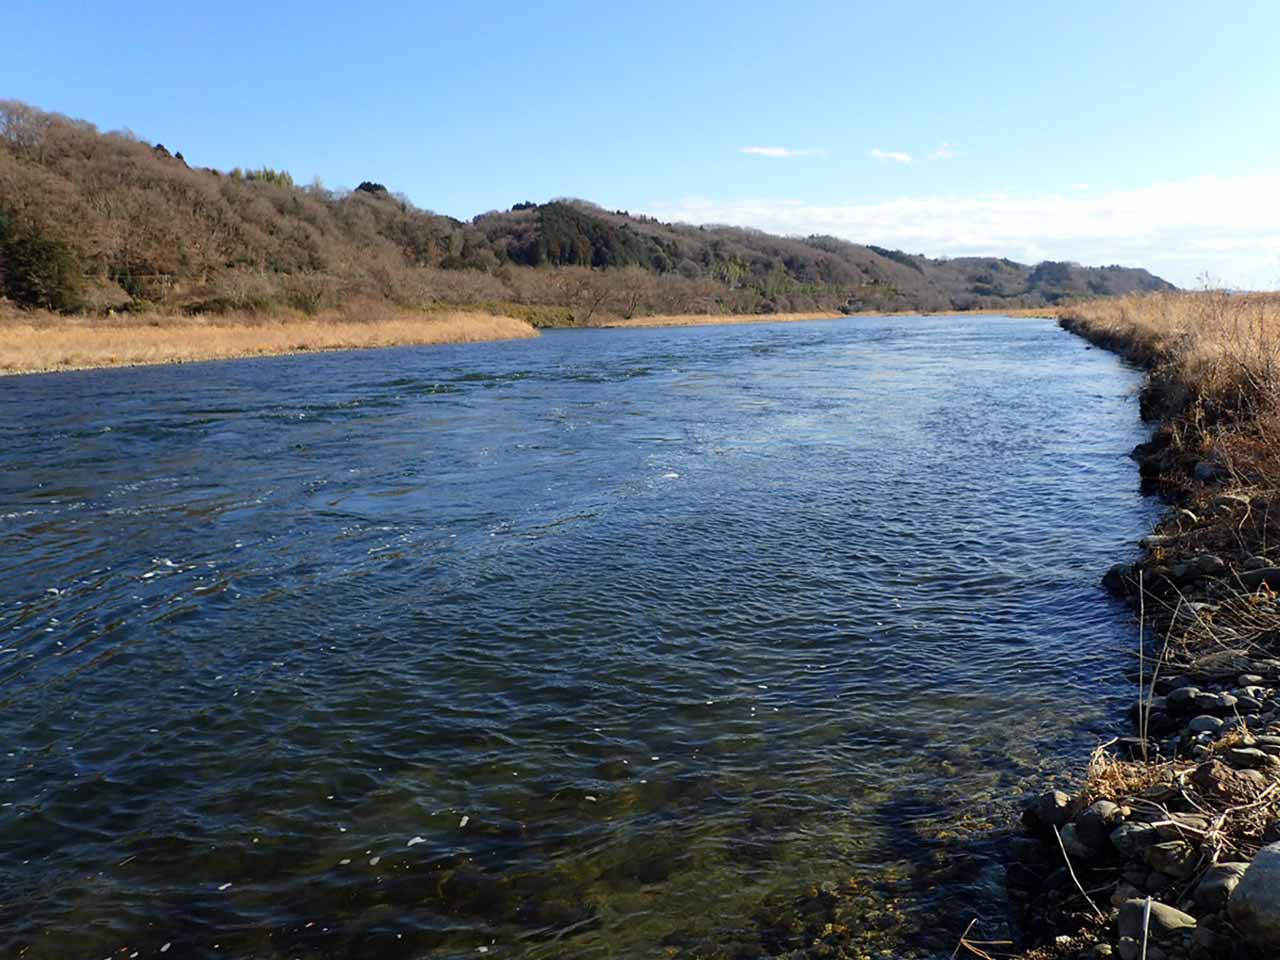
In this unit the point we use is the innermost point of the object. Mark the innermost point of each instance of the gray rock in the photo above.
(1213, 701)
(1207, 565)
(1077, 847)
(1250, 679)
(1053, 809)
(1247, 704)
(1247, 758)
(1165, 920)
(1131, 839)
(1177, 858)
(1205, 724)
(1120, 579)
(1182, 826)
(1129, 949)
(1093, 825)
(1157, 882)
(1253, 579)
(1254, 906)
(1214, 889)
(1181, 700)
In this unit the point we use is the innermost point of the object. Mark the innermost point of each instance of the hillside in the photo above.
(94, 221)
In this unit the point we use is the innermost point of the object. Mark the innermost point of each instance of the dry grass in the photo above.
(1222, 347)
(38, 341)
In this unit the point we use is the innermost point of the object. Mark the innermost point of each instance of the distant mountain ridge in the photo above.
(92, 220)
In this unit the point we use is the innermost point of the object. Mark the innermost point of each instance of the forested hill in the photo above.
(92, 220)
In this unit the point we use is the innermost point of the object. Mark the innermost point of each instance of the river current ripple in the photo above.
(584, 646)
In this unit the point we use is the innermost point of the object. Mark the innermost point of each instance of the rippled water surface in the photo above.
(591, 646)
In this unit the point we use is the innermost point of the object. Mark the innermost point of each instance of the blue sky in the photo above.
(1134, 132)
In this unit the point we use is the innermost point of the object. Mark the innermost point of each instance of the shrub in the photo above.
(37, 271)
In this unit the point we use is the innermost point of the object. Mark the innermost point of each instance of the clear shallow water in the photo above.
(586, 646)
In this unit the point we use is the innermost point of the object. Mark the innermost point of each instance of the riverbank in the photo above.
(1169, 850)
(41, 341)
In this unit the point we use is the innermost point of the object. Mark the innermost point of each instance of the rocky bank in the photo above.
(1171, 851)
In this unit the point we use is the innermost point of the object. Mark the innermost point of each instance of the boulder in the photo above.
(1094, 824)
(1254, 906)
(1182, 700)
(1165, 920)
(1131, 839)
(1078, 846)
(1247, 758)
(1120, 579)
(1253, 579)
(1205, 724)
(1216, 886)
(1052, 809)
(1177, 858)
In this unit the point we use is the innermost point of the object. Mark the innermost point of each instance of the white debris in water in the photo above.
(464, 821)
(344, 861)
(655, 758)
(671, 476)
(590, 799)
(415, 841)
(165, 948)
(374, 861)
(54, 590)
(225, 886)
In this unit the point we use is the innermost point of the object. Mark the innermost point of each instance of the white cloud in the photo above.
(1079, 186)
(944, 152)
(1229, 227)
(780, 153)
(897, 156)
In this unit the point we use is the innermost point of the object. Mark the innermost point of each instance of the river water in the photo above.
(609, 644)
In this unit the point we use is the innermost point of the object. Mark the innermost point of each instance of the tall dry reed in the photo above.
(41, 341)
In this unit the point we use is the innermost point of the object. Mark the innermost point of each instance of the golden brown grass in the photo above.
(1220, 346)
(40, 341)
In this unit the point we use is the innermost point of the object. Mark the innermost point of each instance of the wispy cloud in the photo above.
(897, 156)
(780, 153)
(1229, 227)
(944, 152)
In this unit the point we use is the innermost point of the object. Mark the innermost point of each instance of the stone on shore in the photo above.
(1165, 921)
(1216, 886)
(1254, 906)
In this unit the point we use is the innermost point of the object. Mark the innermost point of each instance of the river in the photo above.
(616, 643)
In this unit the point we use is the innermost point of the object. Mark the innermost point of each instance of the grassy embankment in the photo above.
(1202, 774)
(34, 341)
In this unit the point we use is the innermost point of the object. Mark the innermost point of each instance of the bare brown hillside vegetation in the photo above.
(93, 222)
